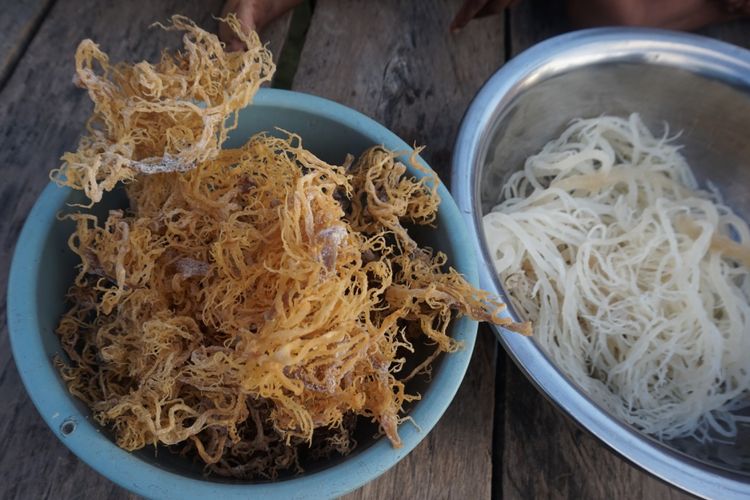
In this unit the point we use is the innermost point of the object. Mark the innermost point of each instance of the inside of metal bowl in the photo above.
(712, 113)
(331, 141)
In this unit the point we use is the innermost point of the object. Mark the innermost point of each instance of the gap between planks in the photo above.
(20, 34)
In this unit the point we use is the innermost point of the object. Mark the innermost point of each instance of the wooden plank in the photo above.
(533, 21)
(545, 455)
(18, 23)
(43, 115)
(274, 35)
(548, 456)
(396, 62)
(405, 70)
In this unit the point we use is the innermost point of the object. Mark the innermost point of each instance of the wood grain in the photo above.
(275, 34)
(18, 24)
(397, 62)
(43, 114)
(547, 456)
(544, 454)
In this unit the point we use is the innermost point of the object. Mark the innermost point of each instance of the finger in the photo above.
(493, 8)
(235, 45)
(478, 8)
(466, 13)
(245, 12)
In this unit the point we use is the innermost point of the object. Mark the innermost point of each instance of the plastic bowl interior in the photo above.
(43, 267)
(696, 85)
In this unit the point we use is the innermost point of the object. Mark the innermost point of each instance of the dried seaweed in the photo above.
(253, 305)
(163, 117)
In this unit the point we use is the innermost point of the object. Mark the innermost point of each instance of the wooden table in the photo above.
(392, 60)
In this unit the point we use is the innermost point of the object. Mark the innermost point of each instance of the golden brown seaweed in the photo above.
(161, 117)
(252, 305)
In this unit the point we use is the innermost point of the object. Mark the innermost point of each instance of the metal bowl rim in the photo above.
(581, 48)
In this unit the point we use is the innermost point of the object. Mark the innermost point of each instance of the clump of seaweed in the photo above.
(254, 304)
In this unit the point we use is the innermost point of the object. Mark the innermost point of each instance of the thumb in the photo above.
(245, 12)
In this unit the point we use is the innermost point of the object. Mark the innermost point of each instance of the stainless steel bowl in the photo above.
(697, 85)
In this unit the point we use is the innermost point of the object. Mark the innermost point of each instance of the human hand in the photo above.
(672, 14)
(252, 15)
